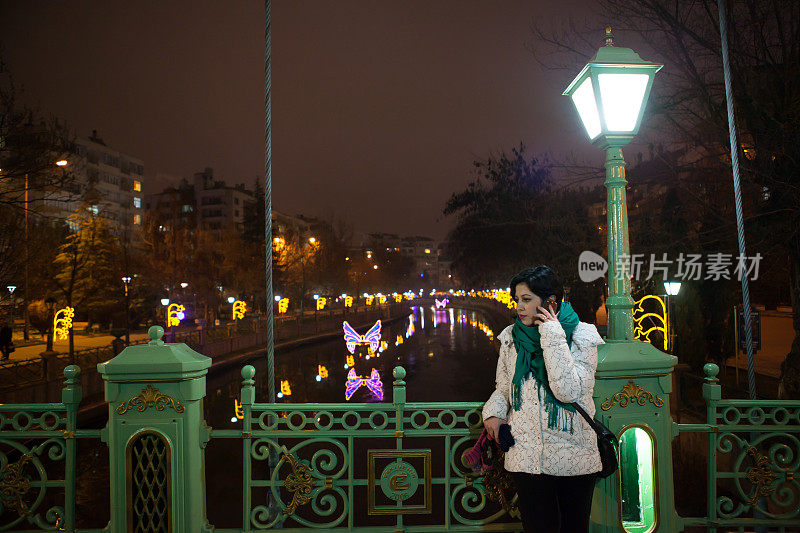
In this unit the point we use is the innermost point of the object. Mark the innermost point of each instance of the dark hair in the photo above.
(542, 281)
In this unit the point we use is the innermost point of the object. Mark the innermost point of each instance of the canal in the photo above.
(448, 354)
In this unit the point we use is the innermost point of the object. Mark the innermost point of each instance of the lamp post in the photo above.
(165, 303)
(610, 95)
(51, 305)
(11, 289)
(127, 280)
(672, 288)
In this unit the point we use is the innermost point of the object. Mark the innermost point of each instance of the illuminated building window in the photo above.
(137, 185)
(137, 219)
(427, 250)
(137, 202)
(187, 208)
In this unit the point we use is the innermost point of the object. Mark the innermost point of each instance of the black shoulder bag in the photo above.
(606, 443)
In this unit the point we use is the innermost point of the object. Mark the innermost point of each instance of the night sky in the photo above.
(379, 107)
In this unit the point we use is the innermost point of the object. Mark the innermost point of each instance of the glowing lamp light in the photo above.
(62, 163)
(277, 298)
(610, 93)
(180, 315)
(286, 390)
(184, 285)
(62, 322)
(11, 288)
(164, 301)
(231, 299)
(672, 287)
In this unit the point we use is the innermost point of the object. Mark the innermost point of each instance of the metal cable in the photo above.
(737, 194)
(268, 195)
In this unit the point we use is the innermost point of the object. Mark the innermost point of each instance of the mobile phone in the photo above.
(552, 304)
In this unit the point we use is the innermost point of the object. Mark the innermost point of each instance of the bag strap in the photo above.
(588, 418)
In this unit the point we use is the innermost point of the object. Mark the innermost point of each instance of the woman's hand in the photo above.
(544, 315)
(492, 425)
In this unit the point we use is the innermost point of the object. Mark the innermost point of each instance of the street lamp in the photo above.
(672, 289)
(610, 94)
(11, 289)
(127, 280)
(231, 299)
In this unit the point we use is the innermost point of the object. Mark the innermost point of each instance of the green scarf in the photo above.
(527, 341)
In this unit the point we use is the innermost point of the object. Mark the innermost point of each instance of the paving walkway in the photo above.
(82, 342)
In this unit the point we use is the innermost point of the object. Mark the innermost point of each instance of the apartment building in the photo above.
(205, 203)
(115, 180)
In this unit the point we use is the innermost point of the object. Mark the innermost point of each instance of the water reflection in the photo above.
(447, 353)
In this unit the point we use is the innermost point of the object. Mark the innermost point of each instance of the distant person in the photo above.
(547, 361)
(6, 345)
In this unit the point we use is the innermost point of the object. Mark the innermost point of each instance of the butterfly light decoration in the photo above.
(373, 383)
(352, 338)
(441, 304)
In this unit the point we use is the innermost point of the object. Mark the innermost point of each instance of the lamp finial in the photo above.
(609, 38)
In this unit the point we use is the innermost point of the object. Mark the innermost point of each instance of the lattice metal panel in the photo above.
(149, 489)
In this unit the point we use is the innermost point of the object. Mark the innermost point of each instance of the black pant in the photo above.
(555, 504)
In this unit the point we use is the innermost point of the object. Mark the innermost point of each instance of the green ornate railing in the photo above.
(383, 467)
(753, 461)
(367, 466)
(38, 447)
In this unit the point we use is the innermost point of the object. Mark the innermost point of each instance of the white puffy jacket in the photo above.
(538, 449)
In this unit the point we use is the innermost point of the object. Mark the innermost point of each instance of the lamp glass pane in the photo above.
(622, 96)
(584, 101)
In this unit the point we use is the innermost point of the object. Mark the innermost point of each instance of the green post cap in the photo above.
(155, 333)
(155, 360)
(399, 373)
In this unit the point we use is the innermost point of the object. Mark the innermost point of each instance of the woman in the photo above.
(547, 361)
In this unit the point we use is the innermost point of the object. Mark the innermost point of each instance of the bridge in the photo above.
(378, 467)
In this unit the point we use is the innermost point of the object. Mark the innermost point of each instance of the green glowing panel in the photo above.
(638, 495)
